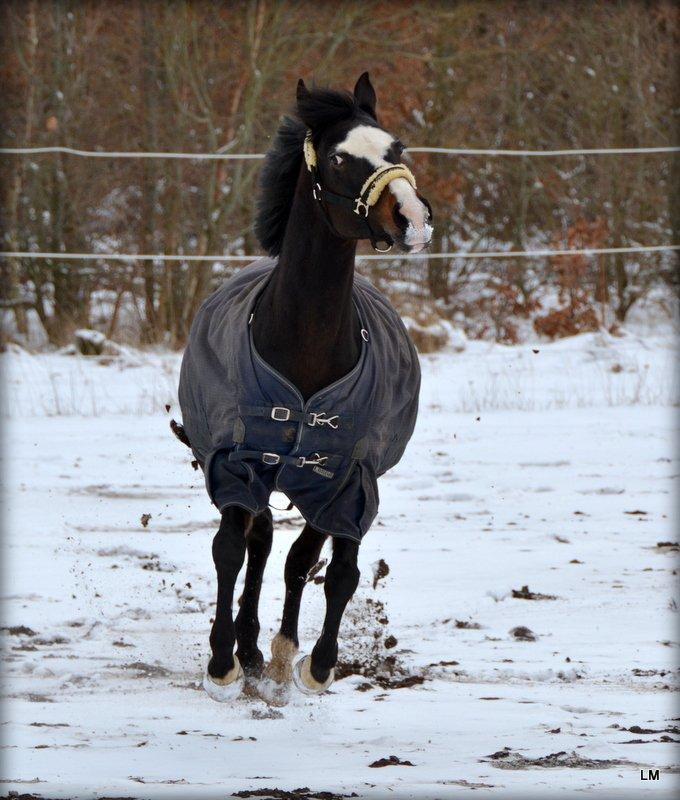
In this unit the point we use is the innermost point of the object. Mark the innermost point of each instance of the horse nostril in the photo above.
(399, 219)
(427, 205)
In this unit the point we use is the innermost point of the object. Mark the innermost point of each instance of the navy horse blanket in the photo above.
(252, 432)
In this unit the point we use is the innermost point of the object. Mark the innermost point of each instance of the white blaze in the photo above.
(371, 143)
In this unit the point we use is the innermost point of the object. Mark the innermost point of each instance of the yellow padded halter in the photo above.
(377, 182)
(309, 151)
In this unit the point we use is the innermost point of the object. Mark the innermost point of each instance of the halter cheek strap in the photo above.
(369, 195)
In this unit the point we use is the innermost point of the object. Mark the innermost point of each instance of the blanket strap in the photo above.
(274, 459)
(311, 418)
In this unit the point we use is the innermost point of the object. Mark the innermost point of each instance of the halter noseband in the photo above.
(369, 195)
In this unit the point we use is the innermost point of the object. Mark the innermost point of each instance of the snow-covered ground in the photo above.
(547, 466)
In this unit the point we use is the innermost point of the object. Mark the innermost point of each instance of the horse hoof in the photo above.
(305, 681)
(273, 693)
(227, 688)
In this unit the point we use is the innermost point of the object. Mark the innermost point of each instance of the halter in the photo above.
(369, 195)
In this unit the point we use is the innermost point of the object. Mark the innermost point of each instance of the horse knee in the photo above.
(302, 556)
(229, 543)
(259, 537)
(342, 575)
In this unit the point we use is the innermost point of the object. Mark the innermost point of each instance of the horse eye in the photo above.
(336, 159)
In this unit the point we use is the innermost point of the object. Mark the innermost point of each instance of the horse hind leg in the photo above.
(303, 555)
(314, 674)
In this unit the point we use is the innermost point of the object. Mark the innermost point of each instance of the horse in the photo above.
(300, 376)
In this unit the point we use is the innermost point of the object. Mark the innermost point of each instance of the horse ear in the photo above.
(364, 94)
(301, 92)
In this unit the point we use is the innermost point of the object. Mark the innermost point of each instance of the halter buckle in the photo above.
(280, 414)
(316, 191)
(360, 207)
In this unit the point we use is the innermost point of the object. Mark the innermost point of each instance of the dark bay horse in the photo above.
(332, 177)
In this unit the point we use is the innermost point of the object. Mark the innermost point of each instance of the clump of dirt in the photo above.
(525, 594)
(523, 634)
(468, 624)
(154, 565)
(668, 546)
(179, 432)
(507, 759)
(366, 651)
(391, 761)
(381, 570)
(145, 519)
(303, 793)
(18, 630)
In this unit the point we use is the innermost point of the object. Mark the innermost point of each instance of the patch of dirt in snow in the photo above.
(639, 730)
(509, 759)
(134, 492)
(468, 784)
(467, 624)
(145, 670)
(304, 793)
(18, 630)
(525, 594)
(523, 634)
(391, 761)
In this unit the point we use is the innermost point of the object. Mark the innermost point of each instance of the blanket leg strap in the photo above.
(274, 459)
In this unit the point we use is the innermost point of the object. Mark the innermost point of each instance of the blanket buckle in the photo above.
(280, 414)
(271, 458)
(320, 418)
(315, 460)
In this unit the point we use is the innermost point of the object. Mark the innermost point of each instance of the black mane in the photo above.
(317, 110)
(277, 184)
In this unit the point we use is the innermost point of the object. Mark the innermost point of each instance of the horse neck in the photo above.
(306, 326)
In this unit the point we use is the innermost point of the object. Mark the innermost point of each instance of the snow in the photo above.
(552, 470)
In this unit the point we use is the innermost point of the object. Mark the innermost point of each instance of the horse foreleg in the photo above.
(247, 624)
(228, 549)
(303, 555)
(315, 673)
